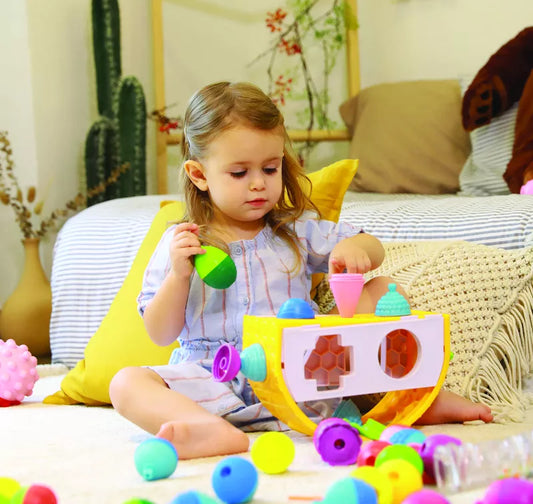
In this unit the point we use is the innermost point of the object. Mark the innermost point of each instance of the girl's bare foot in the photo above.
(452, 408)
(204, 439)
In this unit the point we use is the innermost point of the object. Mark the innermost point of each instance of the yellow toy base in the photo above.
(396, 407)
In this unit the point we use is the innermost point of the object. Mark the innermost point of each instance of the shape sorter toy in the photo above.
(298, 356)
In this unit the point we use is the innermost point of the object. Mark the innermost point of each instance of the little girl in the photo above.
(244, 192)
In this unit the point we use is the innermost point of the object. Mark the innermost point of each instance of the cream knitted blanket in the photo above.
(488, 293)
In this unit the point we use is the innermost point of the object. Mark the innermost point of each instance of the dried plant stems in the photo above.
(25, 206)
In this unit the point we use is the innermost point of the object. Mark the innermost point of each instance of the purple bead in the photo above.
(509, 491)
(428, 449)
(337, 442)
(226, 364)
(425, 496)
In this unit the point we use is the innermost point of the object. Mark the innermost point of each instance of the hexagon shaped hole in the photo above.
(328, 361)
(398, 353)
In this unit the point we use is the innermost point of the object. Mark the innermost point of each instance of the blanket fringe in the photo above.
(498, 380)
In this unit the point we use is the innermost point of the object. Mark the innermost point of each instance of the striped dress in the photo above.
(213, 317)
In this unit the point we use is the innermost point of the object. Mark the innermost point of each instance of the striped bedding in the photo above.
(95, 249)
(501, 221)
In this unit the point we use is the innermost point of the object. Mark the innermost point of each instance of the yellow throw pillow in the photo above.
(330, 185)
(121, 340)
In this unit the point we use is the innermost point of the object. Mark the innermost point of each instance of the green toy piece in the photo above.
(215, 267)
(371, 429)
(155, 458)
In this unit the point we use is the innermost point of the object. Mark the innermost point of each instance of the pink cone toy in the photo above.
(346, 289)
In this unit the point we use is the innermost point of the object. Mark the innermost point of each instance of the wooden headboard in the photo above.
(163, 139)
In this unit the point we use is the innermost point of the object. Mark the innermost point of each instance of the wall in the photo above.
(16, 107)
(48, 102)
(47, 92)
(422, 39)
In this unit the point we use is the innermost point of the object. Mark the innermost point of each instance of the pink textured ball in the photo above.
(527, 188)
(18, 372)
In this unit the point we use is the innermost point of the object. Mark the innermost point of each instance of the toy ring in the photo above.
(226, 364)
(337, 442)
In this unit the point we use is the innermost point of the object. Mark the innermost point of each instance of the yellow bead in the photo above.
(403, 476)
(273, 452)
(374, 477)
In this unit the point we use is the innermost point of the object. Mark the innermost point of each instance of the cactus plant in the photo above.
(130, 109)
(101, 157)
(106, 50)
(119, 135)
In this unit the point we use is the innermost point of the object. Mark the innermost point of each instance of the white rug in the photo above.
(86, 455)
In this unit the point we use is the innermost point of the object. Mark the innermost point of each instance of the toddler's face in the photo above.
(243, 171)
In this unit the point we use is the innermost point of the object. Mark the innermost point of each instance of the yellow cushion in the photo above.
(330, 185)
(121, 340)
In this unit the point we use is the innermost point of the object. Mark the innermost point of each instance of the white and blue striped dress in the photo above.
(213, 317)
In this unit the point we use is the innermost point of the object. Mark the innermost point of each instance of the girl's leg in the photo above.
(373, 290)
(452, 408)
(141, 396)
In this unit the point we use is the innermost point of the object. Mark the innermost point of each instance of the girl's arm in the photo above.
(164, 316)
(356, 254)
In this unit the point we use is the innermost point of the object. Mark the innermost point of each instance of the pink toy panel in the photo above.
(337, 361)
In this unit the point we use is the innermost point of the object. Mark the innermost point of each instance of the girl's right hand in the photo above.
(184, 244)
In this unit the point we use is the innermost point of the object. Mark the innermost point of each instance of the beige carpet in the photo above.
(86, 455)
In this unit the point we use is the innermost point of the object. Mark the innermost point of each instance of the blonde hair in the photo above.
(219, 107)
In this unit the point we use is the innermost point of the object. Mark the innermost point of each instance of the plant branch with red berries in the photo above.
(305, 26)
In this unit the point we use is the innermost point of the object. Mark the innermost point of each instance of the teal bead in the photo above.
(253, 363)
(350, 490)
(193, 497)
(155, 459)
